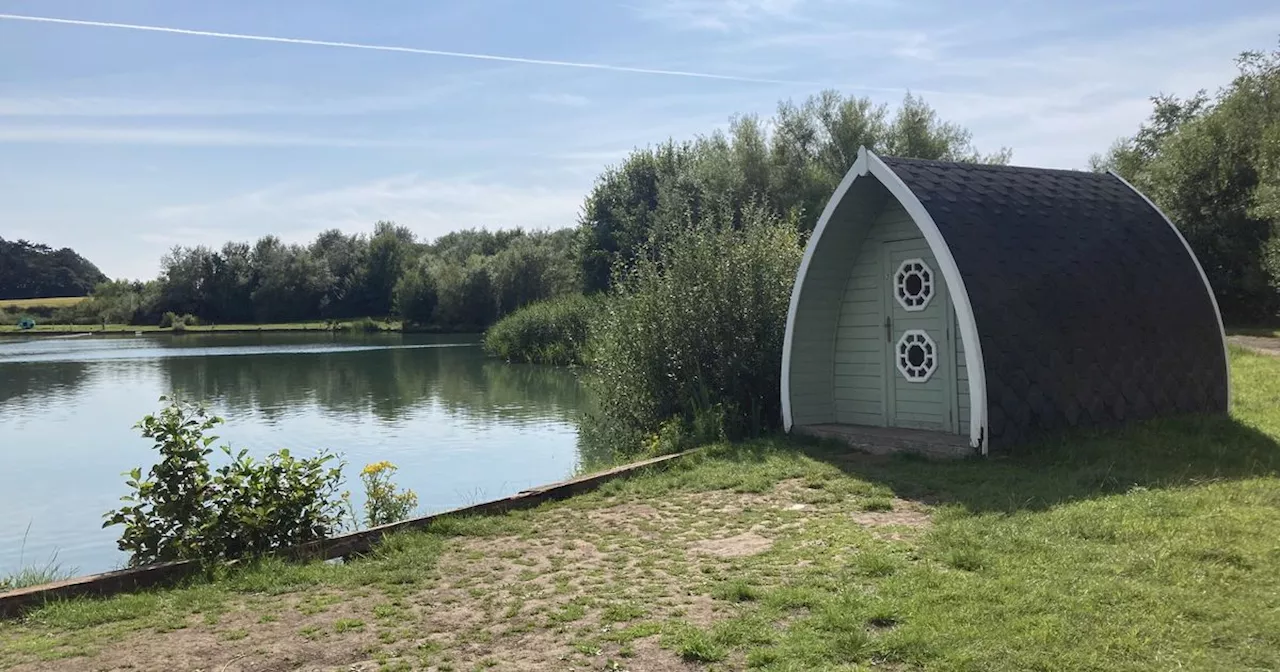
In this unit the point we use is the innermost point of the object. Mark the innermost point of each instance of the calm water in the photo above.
(460, 427)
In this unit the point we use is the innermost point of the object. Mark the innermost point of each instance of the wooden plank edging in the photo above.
(15, 602)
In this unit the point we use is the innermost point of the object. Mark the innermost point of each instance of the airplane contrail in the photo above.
(414, 50)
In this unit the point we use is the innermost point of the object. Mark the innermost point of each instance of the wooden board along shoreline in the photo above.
(16, 602)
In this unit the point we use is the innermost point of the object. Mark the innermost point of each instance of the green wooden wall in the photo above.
(839, 355)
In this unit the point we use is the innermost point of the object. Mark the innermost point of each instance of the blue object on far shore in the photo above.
(26, 323)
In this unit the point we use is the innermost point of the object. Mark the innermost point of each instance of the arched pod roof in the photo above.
(1087, 305)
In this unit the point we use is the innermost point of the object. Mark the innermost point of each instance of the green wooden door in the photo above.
(920, 362)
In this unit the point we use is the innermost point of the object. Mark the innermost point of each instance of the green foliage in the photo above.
(549, 332)
(183, 509)
(383, 503)
(32, 270)
(415, 295)
(34, 575)
(178, 322)
(532, 269)
(1212, 165)
(390, 251)
(464, 293)
(463, 281)
(788, 165)
(699, 332)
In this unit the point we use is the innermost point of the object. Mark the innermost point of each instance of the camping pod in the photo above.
(966, 308)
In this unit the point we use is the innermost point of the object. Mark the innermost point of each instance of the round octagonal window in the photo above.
(913, 284)
(917, 355)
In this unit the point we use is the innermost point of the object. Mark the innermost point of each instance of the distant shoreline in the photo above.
(317, 326)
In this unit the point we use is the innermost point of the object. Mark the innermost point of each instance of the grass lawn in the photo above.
(59, 302)
(1152, 549)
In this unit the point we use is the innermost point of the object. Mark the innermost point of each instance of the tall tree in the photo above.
(36, 271)
(791, 169)
(391, 249)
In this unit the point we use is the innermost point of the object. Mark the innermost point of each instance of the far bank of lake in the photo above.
(461, 427)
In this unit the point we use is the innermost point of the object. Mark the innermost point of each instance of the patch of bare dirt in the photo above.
(737, 546)
(904, 514)
(1263, 344)
(267, 647)
(649, 657)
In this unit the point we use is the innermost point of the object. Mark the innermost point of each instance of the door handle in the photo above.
(888, 329)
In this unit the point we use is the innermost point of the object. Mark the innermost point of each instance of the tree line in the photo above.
(1212, 164)
(36, 271)
(464, 280)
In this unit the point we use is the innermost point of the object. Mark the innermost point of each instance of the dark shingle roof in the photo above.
(1089, 309)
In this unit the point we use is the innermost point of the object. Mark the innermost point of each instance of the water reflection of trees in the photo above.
(45, 380)
(387, 382)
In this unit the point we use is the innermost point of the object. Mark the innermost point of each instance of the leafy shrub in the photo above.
(383, 504)
(183, 509)
(547, 332)
(698, 336)
(171, 320)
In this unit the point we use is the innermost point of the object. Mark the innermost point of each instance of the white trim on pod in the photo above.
(868, 163)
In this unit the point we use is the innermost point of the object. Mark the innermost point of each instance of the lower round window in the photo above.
(917, 355)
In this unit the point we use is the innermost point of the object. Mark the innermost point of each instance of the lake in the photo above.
(461, 427)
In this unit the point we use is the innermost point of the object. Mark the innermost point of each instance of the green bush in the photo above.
(547, 332)
(171, 320)
(183, 509)
(697, 336)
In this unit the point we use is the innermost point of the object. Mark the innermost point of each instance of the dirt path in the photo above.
(1263, 344)
(578, 586)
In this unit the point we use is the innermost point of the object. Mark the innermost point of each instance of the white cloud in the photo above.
(1071, 99)
(1056, 94)
(430, 207)
(217, 137)
(42, 105)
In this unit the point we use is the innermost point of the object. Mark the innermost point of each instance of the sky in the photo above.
(122, 142)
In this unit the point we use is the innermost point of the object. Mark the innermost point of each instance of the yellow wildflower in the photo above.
(377, 467)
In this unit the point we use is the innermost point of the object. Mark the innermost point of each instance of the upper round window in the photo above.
(913, 284)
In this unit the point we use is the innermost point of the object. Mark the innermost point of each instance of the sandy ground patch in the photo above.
(1263, 344)
(584, 587)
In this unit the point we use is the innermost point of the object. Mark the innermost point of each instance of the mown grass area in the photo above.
(58, 302)
(203, 328)
(1148, 549)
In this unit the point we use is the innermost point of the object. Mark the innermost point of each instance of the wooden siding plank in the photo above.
(845, 409)
(873, 333)
(859, 369)
(858, 394)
